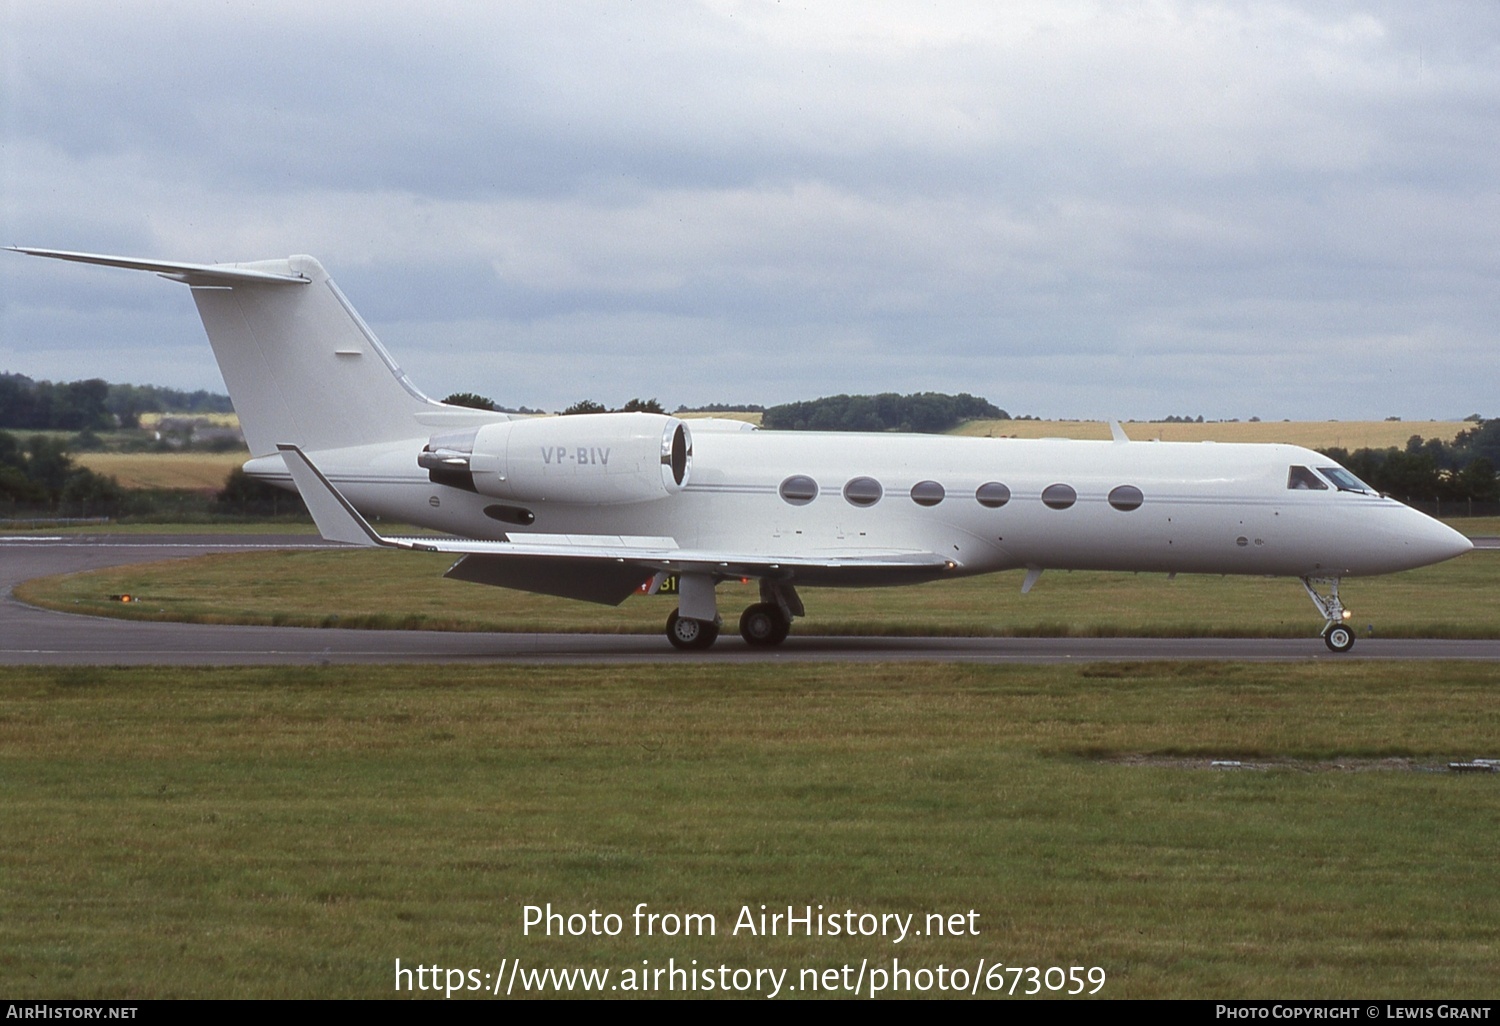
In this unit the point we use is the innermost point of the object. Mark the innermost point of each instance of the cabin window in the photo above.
(799, 489)
(863, 491)
(992, 494)
(1300, 479)
(927, 493)
(1126, 498)
(1059, 496)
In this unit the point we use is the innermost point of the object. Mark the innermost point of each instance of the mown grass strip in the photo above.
(397, 590)
(289, 832)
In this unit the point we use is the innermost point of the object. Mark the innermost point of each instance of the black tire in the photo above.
(764, 624)
(1338, 638)
(688, 634)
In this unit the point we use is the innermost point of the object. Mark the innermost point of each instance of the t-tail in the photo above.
(301, 365)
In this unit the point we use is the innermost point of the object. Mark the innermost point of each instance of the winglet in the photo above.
(1117, 432)
(336, 517)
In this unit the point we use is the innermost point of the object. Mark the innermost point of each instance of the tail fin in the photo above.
(300, 364)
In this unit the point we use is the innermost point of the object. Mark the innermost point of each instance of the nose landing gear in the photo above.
(1337, 634)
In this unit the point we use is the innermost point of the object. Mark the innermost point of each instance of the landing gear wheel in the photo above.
(764, 624)
(1338, 638)
(691, 634)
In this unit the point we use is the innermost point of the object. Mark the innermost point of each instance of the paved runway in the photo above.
(34, 636)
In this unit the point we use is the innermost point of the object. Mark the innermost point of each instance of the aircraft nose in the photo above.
(1437, 542)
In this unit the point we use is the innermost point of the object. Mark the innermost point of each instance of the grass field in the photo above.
(384, 589)
(290, 832)
(1314, 434)
(149, 421)
(198, 471)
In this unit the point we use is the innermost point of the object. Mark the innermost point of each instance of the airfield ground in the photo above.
(286, 832)
(291, 832)
(382, 589)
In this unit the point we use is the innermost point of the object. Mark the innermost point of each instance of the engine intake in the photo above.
(599, 459)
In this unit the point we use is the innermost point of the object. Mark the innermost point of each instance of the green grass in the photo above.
(381, 589)
(216, 525)
(290, 832)
(1313, 434)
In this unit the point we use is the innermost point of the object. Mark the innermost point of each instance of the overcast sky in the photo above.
(1092, 210)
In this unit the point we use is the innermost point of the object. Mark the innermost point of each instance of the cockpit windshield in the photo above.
(1300, 479)
(1345, 481)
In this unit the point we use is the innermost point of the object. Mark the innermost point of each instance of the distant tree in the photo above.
(1478, 481)
(585, 406)
(15, 484)
(95, 404)
(48, 464)
(929, 412)
(87, 493)
(722, 408)
(42, 473)
(18, 402)
(248, 495)
(642, 406)
(1481, 441)
(470, 399)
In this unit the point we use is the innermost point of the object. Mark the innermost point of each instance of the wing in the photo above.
(599, 568)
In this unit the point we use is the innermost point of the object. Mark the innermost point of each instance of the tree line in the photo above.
(922, 412)
(93, 404)
(1431, 470)
(40, 473)
(38, 478)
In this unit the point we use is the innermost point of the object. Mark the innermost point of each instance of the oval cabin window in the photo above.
(992, 494)
(1126, 498)
(799, 489)
(863, 491)
(927, 493)
(1059, 496)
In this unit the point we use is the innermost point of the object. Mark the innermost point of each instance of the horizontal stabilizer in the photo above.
(190, 274)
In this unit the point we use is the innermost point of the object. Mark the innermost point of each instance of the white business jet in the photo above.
(595, 507)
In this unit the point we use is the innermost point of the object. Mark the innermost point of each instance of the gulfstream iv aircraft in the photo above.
(595, 507)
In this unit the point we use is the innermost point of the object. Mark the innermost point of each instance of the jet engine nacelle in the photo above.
(601, 459)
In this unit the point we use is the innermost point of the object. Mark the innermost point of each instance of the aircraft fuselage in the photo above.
(1067, 504)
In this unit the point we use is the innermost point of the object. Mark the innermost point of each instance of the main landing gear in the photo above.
(764, 624)
(1337, 634)
(695, 623)
(687, 633)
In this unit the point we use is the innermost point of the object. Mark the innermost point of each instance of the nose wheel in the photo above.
(1338, 638)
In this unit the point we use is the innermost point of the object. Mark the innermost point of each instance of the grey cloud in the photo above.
(1097, 205)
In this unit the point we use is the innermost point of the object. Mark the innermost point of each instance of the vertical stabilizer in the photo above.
(301, 365)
